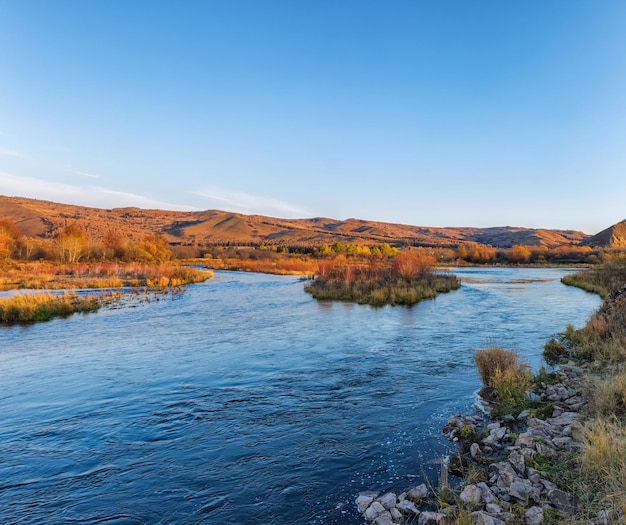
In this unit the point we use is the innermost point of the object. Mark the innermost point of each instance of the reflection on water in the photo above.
(244, 401)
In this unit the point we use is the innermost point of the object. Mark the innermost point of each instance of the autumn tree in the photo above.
(114, 244)
(411, 263)
(72, 244)
(520, 254)
(11, 240)
(153, 248)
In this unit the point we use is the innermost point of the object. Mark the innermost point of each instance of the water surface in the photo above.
(245, 401)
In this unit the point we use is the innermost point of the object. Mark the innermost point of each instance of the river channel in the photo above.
(245, 401)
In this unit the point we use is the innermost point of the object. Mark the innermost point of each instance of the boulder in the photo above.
(431, 518)
(486, 493)
(364, 500)
(418, 494)
(373, 511)
(408, 508)
(517, 462)
(471, 495)
(482, 518)
(534, 516)
(384, 519)
(387, 500)
(563, 501)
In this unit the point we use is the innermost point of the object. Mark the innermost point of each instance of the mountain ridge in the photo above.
(43, 219)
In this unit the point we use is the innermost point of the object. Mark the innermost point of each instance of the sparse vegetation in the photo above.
(601, 279)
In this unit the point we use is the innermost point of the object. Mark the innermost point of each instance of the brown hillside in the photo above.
(44, 219)
(612, 237)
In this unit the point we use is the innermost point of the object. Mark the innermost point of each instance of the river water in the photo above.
(245, 401)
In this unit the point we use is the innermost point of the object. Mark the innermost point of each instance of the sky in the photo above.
(432, 113)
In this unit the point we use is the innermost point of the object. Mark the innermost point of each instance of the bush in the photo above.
(553, 352)
(507, 379)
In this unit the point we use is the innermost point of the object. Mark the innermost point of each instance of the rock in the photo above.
(431, 518)
(364, 500)
(517, 462)
(504, 473)
(475, 450)
(577, 431)
(373, 511)
(563, 501)
(565, 419)
(545, 450)
(396, 514)
(562, 442)
(387, 500)
(408, 508)
(493, 508)
(525, 440)
(522, 416)
(418, 494)
(534, 516)
(486, 494)
(548, 485)
(520, 490)
(384, 519)
(471, 495)
(482, 518)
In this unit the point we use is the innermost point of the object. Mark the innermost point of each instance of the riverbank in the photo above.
(562, 459)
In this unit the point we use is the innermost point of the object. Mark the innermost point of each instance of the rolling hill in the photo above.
(613, 237)
(43, 219)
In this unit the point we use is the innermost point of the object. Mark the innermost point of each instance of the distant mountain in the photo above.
(44, 219)
(613, 237)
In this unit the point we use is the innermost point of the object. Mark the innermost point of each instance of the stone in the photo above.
(548, 485)
(524, 440)
(418, 494)
(520, 490)
(431, 518)
(373, 511)
(387, 500)
(493, 508)
(522, 416)
(475, 450)
(384, 519)
(482, 518)
(545, 450)
(396, 515)
(471, 495)
(364, 500)
(563, 501)
(563, 420)
(517, 462)
(534, 516)
(486, 494)
(577, 431)
(504, 473)
(562, 442)
(408, 508)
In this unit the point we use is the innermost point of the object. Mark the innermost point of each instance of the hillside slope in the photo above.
(43, 219)
(613, 237)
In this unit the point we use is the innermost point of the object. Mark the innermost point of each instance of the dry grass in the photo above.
(603, 464)
(609, 396)
(507, 379)
(56, 276)
(30, 308)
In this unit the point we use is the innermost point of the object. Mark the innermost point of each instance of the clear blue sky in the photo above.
(435, 113)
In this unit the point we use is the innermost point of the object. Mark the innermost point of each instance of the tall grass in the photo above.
(403, 280)
(30, 308)
(601, 279)
(506, 378)
(55, 276)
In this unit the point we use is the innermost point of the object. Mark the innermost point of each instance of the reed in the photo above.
(30, 308)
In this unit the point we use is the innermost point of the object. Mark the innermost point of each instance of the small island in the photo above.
(404, 279)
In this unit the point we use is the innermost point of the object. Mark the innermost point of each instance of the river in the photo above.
(245, 401)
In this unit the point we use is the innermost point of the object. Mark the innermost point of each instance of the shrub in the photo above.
(610, 396)
(507, 379)
(553, 352)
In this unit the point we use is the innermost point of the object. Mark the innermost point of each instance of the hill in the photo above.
(613, 237)
(43, 219)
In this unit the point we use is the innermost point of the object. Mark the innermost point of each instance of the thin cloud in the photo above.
(251, 204)
(88, 175)
(6, 152)
(94, 196)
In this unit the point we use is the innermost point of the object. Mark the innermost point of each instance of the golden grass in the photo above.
(56, 276)
(507, 378)
(29, 308)
(603, 464)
